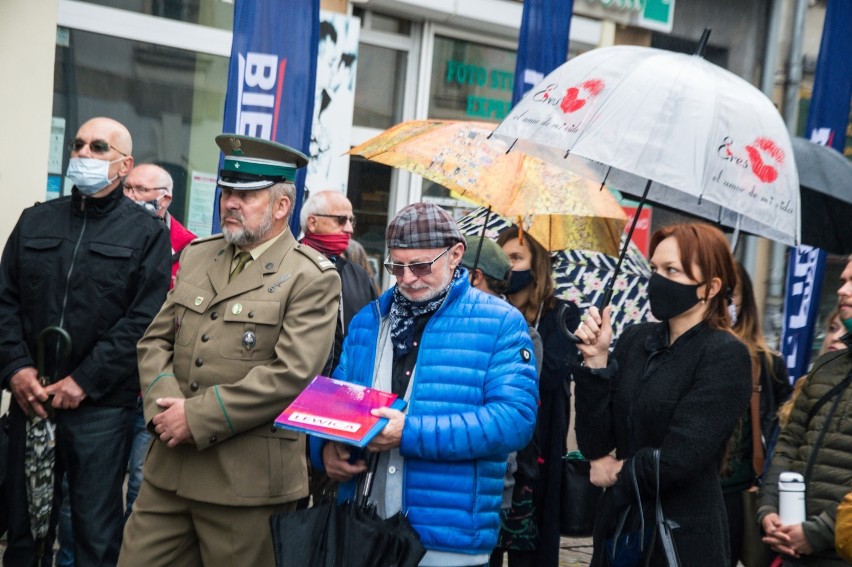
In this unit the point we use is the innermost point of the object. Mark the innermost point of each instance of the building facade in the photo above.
(160, 67)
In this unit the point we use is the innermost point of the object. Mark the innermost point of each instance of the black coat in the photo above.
(101, 269)
(684, 400)
(356, 291)
(544, 454)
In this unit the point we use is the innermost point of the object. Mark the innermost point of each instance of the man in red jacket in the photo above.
(151, 187)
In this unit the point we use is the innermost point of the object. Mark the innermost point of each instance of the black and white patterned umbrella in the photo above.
(580, 276)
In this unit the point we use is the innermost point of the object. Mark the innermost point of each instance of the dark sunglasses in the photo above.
(97, 146)
(341, 219)
(418, 268)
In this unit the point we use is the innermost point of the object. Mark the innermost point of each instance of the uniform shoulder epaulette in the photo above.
(201, 239)
(317, 258)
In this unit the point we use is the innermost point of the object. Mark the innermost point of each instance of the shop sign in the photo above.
(500, 81)
(657, 15)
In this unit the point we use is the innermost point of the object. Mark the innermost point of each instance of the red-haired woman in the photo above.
(679, 386)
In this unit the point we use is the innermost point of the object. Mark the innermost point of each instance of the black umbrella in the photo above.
(345, 535)
(40, 453)
(825, 177)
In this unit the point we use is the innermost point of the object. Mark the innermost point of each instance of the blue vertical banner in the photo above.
(271, 79)
(829, 110)
(804, 280)
(542, 42)
(828, 118)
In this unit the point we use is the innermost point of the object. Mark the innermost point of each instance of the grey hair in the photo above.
(314, 204)
(283, 189)
(165, 179)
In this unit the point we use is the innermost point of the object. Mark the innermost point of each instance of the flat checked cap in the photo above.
(254, 163)
(423, 225)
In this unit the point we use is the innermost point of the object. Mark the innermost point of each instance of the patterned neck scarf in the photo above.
(404, 313)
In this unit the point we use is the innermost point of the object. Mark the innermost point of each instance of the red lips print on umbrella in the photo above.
(669, 128)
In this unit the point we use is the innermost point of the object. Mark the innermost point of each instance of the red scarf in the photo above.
(328, 244)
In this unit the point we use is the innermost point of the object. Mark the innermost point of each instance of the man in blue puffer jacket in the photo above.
(464, 362)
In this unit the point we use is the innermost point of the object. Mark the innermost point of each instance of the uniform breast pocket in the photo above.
(251, 330)
(109, 266)
(191, 302)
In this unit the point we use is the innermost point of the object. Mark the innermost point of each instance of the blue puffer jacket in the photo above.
(473, 401)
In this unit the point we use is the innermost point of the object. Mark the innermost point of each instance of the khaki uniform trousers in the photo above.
(169, 531)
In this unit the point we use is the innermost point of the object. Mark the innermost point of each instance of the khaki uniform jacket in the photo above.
(239, 353)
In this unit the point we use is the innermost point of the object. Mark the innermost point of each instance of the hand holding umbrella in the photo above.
(41, 450)
(595, 335)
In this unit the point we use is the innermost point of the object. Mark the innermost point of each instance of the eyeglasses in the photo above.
(143, 190)
(417, 269)
(341, 219)
(97, 146)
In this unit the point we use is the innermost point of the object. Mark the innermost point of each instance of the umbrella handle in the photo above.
(606, 297)
(560, 317)
(64, 337)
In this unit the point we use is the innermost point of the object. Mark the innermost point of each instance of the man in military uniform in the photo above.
(249, 323)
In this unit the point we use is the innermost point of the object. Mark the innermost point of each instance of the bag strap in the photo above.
(622, 520)
(664, 526)
(758, 456)
(839, 387)
(639, 504)
(818, 443)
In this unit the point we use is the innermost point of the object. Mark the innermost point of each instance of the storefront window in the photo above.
(369, 191)
(213, 13)
(379, 86)
(171, 100)
(379, 100)
(470, 81)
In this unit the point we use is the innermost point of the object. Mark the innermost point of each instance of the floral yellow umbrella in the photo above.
(560, 209)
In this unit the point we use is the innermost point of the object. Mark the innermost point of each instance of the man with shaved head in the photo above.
(97, 266)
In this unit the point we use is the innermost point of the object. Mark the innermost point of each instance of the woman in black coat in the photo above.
(530, 532)
(679, 386)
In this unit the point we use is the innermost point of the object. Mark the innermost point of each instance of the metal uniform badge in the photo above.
(199, 300)
(237, 308)
(249, 340)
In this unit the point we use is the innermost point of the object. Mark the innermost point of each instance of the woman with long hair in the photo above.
(530, 533)
(770, 388)
(679, 387)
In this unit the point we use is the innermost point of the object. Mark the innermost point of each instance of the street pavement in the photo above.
(575, 552)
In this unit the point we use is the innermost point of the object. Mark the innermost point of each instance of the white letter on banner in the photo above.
(258, 99)
(261, 70)
(804, 268)
(257, 124)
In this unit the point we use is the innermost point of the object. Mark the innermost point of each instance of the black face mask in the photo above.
(519, 280)
(669, 298)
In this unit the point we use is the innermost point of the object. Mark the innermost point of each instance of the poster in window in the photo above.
(334, 103)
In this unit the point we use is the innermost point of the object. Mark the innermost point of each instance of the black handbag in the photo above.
(578, 500)
(629, 548)
(626, 548)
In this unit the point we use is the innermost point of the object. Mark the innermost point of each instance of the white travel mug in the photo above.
(791, 498)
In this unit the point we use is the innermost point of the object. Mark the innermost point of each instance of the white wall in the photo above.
(27, 46)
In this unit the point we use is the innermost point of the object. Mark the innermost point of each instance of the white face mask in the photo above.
(90, 175)
(732, 313)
